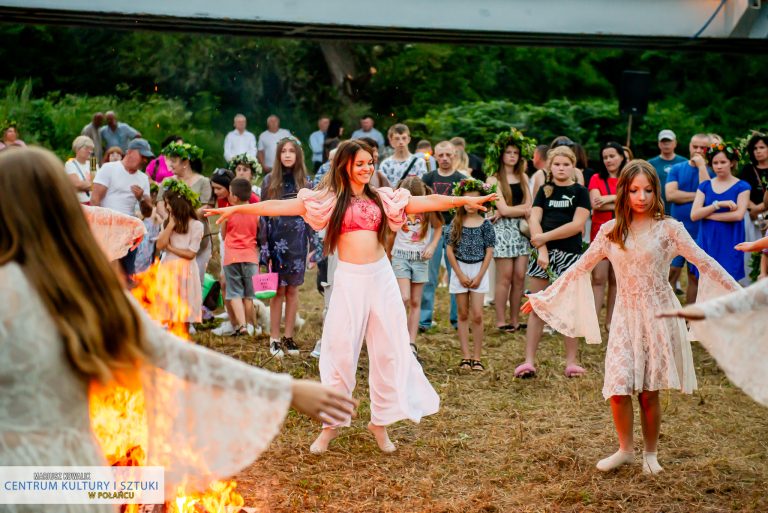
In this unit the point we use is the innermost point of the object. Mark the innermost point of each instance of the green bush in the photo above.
(54, 121)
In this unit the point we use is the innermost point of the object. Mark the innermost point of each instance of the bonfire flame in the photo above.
(118, 416)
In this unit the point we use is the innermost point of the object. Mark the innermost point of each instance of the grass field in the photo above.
(502, 444)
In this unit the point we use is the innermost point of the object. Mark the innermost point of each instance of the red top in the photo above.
(599, 217)
(240, 239)
(362, 214)
(224, 202)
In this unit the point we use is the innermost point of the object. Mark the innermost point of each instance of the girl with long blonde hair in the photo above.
(66, 322)
(644, 354)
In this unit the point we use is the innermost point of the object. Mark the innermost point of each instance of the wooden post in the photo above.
(629, 131)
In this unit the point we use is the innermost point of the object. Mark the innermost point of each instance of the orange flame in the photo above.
(118, 417)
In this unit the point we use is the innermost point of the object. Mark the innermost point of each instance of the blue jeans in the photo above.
(428, 295)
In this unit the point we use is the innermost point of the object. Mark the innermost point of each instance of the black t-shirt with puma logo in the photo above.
(558, 209)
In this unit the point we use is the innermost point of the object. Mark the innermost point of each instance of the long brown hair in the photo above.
(43, 230)
(458, 223)
(337, 180)
(299, 170)
(416, 187)
(623, 208)
(181, 210)
(519, 171)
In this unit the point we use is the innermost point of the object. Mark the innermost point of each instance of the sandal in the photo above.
(574, 371)
(465, 364)
(477, 365)
(525, 371)
(506, 328)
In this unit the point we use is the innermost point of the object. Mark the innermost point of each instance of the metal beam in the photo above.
(659, 24)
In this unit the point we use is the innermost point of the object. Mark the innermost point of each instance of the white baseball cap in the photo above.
(667, 134)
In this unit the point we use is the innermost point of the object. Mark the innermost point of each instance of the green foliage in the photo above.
(55, 120)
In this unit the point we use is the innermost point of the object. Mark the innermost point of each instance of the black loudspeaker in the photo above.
(633, 94)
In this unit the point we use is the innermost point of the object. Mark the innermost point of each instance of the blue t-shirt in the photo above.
(662, 167)
(687, 178)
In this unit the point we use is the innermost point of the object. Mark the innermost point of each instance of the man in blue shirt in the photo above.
(116, 133)
(682, 183)
(664, 162)
(316, 141)
(367, 130)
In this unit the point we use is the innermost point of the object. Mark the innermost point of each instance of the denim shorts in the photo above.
(239, 278)
(415, 270)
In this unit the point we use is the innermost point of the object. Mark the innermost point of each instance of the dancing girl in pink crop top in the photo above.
(365, 303)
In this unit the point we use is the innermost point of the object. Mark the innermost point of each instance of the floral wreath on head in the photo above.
(183, 190)
(9, 123)
(512, 137)
(731, 151)
(184, 151)
(245, 160)
(473, 185)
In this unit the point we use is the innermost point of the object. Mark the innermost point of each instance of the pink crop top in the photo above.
(362, 214)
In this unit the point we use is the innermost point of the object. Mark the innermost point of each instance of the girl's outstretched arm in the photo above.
(757, 245)
(290, 207)
(439, 203)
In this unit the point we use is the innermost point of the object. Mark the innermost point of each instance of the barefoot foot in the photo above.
(382, 438)
(320, 445)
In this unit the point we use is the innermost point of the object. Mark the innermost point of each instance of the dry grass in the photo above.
(504, 444)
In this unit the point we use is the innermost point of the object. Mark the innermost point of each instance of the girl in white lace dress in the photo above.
(65, 321)
(365, 303)
(644, 354)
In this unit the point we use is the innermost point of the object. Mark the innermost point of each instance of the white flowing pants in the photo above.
(366, 304)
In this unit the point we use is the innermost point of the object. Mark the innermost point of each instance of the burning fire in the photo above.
(118, 416)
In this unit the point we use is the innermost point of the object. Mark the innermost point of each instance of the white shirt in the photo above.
(82, 172)
(236, 143)
(268, 144)
(316, 142)
(118, 182)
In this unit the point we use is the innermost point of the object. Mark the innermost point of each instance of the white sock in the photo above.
(320, 445)
(650, 463)
(615, 460)
(382, 438)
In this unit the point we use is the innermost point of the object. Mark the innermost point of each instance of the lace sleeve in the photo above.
(116, 233)
(319, 205)
(208, 415)
(714, 281)
(394, 203)
(734, 333)
(568, 305)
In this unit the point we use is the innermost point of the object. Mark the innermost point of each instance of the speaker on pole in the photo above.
(633, 94)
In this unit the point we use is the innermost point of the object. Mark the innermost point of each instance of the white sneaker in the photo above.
(225, 330)
(222, 315)
(548, 330)
(316, 351)
(249, 328)
(192, 330)
(275, 349)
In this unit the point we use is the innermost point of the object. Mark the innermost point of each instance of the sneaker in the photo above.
(289, 346)
(414, 350)
(223, 315)
(548, 329)
(191, 330)
(316, 351)
(250, 329)
(275, 349)
(225, 330)
(207, 314)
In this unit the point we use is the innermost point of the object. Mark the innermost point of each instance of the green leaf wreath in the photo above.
(512, 137)
(245, 160)
(184, 151)
(183, 190)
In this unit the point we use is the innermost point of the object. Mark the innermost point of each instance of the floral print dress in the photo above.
(284, 240)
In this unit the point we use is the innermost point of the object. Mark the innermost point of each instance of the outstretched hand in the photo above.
(224, 213)
(477, 201)
(321, 402)
(690, 313)
(747, 247)
(527, 307)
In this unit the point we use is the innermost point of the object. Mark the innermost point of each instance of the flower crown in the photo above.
(9, 123)
(183, 190)
(512, 137)
(184, 151)
(730, 150)
(473, 185)
(245, 160)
